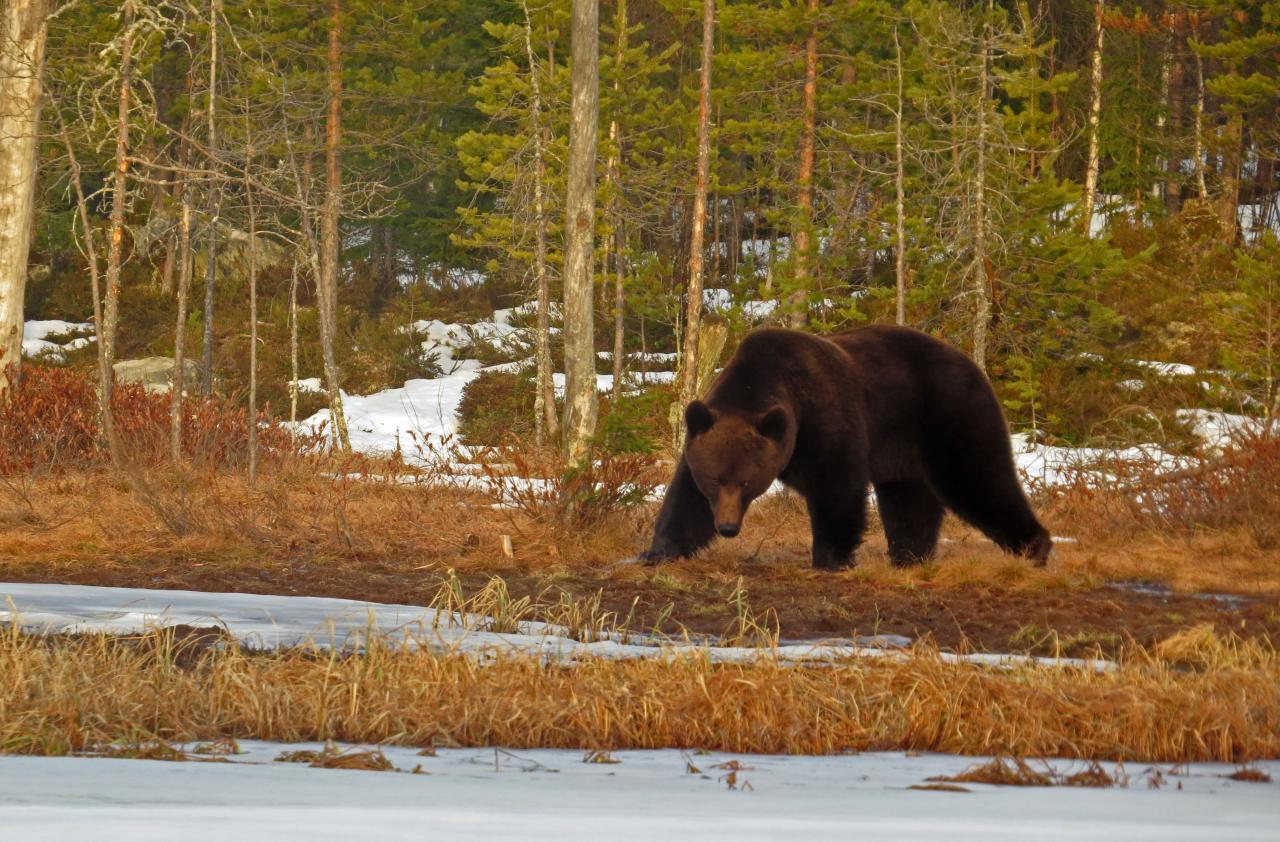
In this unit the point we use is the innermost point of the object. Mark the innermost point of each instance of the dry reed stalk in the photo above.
(1227, 708)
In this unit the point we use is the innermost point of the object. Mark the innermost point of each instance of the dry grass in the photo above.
(321, 515)
(332, 757)
(1015, 771)
(1226, 709)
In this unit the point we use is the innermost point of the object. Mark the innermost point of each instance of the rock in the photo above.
(154, 373)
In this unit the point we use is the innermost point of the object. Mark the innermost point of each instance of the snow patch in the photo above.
(36, 344)
(273, 622)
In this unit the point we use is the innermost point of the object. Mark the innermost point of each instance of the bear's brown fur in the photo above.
(884, 405)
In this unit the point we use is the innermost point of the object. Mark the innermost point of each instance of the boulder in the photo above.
(155, 373)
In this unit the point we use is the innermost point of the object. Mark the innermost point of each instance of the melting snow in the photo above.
(35, 343)
(272, 622)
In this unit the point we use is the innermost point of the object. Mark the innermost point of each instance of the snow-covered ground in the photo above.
(646, 795)
(35, 341)
(269, 622)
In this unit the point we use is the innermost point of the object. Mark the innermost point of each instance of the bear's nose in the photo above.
(728, 530)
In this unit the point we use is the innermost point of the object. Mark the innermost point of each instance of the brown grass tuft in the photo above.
(1015, 771)
(332, 757)
(1250, 774)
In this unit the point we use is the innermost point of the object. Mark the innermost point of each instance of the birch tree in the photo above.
(119, 198)
(614, 171)
(23, 31)
(546, 424)
(1095, 115)
(211, 254)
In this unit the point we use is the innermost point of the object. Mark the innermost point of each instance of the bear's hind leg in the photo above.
(1000, 510)
(911, 514)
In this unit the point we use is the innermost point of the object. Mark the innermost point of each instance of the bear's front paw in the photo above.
(825, 558)
(654, 556)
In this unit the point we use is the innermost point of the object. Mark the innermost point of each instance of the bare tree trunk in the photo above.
(1166, 98)
(95, 287)
(581, 401)
(982, 310)
(615, 210)
(178, 193)
(1095, 114)
(293, 347)
(804, 201)
(1201, 187)
(119, 198)
(1229, 189)
(253, 298)
(215, 200)
(545, 423)
(1177, 94)
(178, 380)
(693, 304)
(327, 294)
(23, 27)
(900, 264)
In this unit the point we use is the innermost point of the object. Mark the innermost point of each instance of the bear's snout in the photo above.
(728, 530)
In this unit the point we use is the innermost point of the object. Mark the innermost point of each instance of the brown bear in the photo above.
(884, 405)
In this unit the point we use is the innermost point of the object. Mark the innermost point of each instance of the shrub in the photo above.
(497, 406)
(636, 423)
(384, 355)
(50, 422)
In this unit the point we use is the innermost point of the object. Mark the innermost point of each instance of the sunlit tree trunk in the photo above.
(1201, 187)
(327, 292)
(1177, 94)
(900, 256)
(23, 28)
(693, 303)
(804, 200)
(119, 198)
(215, 199)
(982, 297)
(546, 424)
(1229, 187)
(581, 402)
(95, 287)
(1095, 114)
(253, 298)
(293, 345)
(1162, 115)
(178, 380)
(177, 196)
(615, 175)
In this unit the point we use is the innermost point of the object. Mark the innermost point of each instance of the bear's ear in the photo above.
(773, 424)
(698, 418)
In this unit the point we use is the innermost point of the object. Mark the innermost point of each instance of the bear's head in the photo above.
(734, 457)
